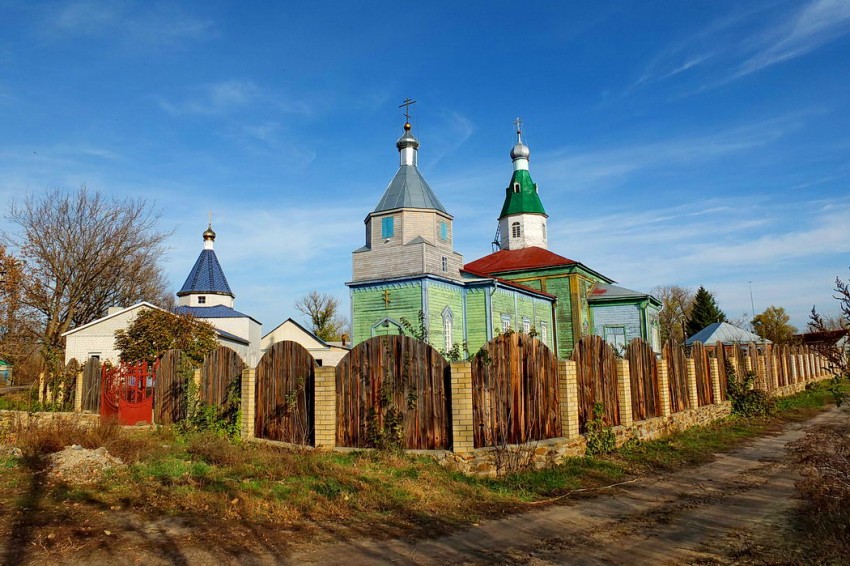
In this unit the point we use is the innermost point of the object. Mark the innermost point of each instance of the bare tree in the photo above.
(83, 253)
(676, 304)
(836, 354)
(322, 311)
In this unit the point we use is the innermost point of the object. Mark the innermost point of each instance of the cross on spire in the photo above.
(406, 105)
(210, 213)
(518, 124)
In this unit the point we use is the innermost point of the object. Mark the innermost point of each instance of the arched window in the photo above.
(516, 187)
(544, 230)
(447, 328)
(515, 230)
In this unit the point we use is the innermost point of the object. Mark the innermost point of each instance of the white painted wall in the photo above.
(532, 232)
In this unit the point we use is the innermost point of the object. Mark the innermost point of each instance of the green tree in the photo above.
(322, 311)
(704, 312)
(156, 331)
(773, 324)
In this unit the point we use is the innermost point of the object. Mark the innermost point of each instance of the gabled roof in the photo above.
(301, 328)
(725, 333)
(508, 283)
(524, 201)
(826, 337)
(232, 337)
(113, 315)
(603, 292)
(217, 311)
(408, 189)
(206, 277)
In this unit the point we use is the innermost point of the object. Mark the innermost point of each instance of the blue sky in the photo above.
(691, 143)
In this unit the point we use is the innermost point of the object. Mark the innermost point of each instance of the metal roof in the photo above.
(217, 311)
(522, 201)
(605, 292)
(726, 333)
(206, 277)
(408, 189)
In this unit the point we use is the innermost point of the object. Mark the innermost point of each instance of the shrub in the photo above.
(746, 401)
(600, 436)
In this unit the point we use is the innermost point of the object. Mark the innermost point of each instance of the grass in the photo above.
(214, 483)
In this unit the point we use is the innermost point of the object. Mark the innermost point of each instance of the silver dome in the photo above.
(520, 151)
(407, 139)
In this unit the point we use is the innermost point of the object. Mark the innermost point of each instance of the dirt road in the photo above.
(686, 517)
(691, 516)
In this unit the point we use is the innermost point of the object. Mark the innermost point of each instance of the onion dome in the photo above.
(520, 151)
(209, 234)
(407, 139)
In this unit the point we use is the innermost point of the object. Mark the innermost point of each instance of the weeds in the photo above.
(746, 401)
(600, 436)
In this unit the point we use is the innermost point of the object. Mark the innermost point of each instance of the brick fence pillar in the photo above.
(249, 401)
(78, 393)
(568, 384)
(761, 372)
(41, 392)
(624, 392)
(463, 440)
(664, 387)
(714, 367)
(693, 398)
(325, 407)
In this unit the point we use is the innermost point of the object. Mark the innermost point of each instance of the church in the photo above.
(206, 295)
(409, 266)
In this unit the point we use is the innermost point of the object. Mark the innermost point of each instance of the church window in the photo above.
(447, 328)
(526, 326)
(544, 230)
(444, 230)
(445, 263)
(515, 230)
(516, 187)
(544, 332)
(387, 227)
(202, 300)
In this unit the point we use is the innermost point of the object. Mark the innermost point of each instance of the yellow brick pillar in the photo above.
(463, 440)
(249, 401)
(41, 391)
(325, 407)
(568, 385)
(792, 369)
(197, 378)
(761, 373)
(624, 392)
(714, 367)
(664, 387)
(693, 398)
(78, 393)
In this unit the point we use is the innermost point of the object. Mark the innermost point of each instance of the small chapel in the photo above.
(409, 268)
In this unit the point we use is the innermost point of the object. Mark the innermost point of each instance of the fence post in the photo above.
(664, 387)
(325, 407)
(568, 384)
(624, 390)
(197, 378)
(761, 372)
(78, 393)
(693, 396)
(714, 366)
(463, 439)
(249, 401)
(41, 392)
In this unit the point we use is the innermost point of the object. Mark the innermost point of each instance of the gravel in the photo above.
(79, 465)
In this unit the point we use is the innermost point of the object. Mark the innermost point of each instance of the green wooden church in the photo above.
(409, 266)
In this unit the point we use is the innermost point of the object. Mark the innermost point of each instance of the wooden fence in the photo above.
(515, 395)
(221, 376)
(719, 352)
(643, 374)
(393, 385)
(285, 394)
(702, 369)
(596, 368)
(170, 388)
(673, 356)
(91, 386)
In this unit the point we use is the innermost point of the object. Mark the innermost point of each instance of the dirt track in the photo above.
(691, 516)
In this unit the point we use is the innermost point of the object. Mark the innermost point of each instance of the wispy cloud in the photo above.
(215, 98)
(146, 24)
(749, 41)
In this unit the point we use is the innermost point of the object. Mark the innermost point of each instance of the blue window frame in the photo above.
(387, 227)
(444, 231)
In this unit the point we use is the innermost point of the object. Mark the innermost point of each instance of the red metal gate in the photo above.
(126, 393)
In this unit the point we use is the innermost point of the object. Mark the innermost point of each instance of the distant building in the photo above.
(725, 333)
(324, 353)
